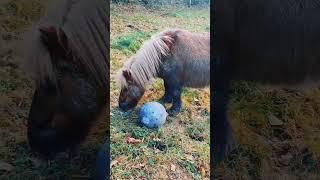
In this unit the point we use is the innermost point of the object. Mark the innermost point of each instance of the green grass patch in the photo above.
(130, 42)
(190, 166)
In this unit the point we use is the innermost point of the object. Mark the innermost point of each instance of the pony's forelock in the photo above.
(120, 79)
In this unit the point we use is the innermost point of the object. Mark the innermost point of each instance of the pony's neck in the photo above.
(145, 65)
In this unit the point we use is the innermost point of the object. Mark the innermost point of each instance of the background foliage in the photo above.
(157, 3)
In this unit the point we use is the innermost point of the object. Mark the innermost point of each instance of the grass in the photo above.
(130, 42)
(289, 151)
(179, 149)
(20, 13)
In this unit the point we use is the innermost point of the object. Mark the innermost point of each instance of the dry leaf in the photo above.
(191, 158)
(173, 167)
(131, 140)
(202, 171)
(120, 159)
(113, 163)
(157, 150)
(139, 166)
(274, 121)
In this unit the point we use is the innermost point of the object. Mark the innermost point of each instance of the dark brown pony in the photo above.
(275, 42)
(179, 57)
(68, 59)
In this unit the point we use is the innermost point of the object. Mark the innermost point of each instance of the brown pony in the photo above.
(67, 56)
(179, 57)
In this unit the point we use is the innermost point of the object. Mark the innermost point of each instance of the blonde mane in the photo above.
(144, 65)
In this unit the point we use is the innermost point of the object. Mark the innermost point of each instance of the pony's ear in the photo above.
(54, 39)
(127, 75)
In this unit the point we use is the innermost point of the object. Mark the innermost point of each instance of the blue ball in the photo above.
(153, 115)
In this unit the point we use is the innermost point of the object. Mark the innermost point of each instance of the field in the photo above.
(278, 133)
(180, 149)
(17, 162)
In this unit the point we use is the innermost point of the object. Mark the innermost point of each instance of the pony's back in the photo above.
(192, 52)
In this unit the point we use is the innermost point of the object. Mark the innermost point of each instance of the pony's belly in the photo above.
(197, 79)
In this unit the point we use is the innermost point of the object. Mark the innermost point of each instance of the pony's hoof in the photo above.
(174, 111)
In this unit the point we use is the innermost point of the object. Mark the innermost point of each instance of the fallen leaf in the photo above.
(113, 163)
(118, 160)
(202, 171)
(5, 166)
(191, 158)
(139, 166)
(156, 150)
(274, 121)
(131, 140)
(173, 167)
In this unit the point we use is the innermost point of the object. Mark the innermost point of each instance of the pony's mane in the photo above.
(144, 65)
(86, 25)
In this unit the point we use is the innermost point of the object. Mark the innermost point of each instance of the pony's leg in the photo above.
(176, 100)
(167, 97)
(173, 92)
